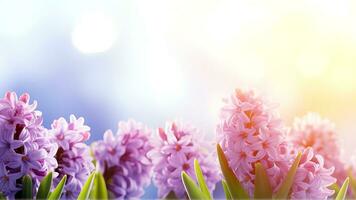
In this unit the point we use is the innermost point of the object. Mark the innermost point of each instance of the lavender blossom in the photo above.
(25, 147)
(73, 156)
(123, 160)
(179, 144)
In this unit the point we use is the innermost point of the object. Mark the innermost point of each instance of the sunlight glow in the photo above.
(94, 32)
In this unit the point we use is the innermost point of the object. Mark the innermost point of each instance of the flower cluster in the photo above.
(318, 133)
(73, 156)
(312, 178)
(25, 147)
(250, 131)
(123, 160)
(179, 144)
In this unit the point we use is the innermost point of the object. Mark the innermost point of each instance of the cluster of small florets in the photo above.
(312, 180)
(25, 148)
(179, 144)
(250, 131)
(314, 131)
(123, 160)
(73, 156)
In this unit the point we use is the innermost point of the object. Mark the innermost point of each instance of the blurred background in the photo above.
(161, 60)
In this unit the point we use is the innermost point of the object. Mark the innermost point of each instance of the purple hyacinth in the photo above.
(25, 147)
(179, 144)
(123, 160)
(73, 156)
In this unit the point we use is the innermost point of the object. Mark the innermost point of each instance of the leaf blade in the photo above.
(99, 190)
(263, 189)
(57, 192)
(235, 187)
(226, 190)
(283, 191)
(45, 187)
(26, 187)
(88, 185)
(343, 190)
(191, 188)
(200, 178)
(352, 183)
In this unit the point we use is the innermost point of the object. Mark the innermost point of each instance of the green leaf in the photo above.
(200, 177)
(44, 187)
(226, 190)
(283, 191)
(343, 190)
(26, 187)
(352, 183)
(84, 194)
(171, 195)
(192, 189)
(235, 187)
(334, 187)
(57, 192)
(263, 189)
(2, 197)
(99, 190)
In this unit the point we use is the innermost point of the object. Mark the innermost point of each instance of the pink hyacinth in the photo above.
(123, 160)
(73, 156)
(318, 133)
(25, 147)
(250, 131)
(312, 178)
(177, 147)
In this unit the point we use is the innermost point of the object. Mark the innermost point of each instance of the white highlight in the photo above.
(165, 81)
(17, 17)
(94, 32)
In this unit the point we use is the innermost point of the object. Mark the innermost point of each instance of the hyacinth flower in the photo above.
(306, 179)
(318, 133)
(123, 160)
(250, 132)
(312, 178)
(25, 147)
(255, 156)
(178, 146)
(73, 156)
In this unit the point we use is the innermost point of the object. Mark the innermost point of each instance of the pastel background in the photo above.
(160, 60)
